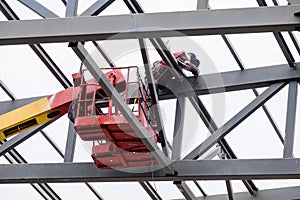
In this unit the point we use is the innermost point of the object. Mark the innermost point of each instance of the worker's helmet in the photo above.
(193, 59)
(176, 54)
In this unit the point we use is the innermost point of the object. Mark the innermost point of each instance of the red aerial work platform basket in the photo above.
(114, 143)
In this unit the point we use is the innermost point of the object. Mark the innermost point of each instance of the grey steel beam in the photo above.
(260, 169)
(290, 120)
(229, 190)
(94, 191)
(274, 194)
(235, 121)
(185, 190)
(104, 54)
(231, 81)
(233, 51)
(97, 7)
(295, 41)
(154, 97)
(51, 65)
(6, 90)
(150, 190)
(38, 8)
(177, 146)
(199, 187)
(71, 8)
(124, 109)
(244, 20)
(71, 142)
(202, 4)
(178, 128)
(52, 143)
(285, 49)
(64, 2)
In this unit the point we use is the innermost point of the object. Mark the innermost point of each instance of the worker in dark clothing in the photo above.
(187, 61)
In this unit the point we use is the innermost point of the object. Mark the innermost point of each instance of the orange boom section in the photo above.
(114, 143)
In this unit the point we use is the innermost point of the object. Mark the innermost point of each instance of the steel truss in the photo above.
(53, 29)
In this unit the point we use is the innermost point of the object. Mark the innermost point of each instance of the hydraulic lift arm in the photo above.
(35, 113)
(42, 110)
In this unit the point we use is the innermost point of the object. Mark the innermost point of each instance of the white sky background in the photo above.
(26, 76)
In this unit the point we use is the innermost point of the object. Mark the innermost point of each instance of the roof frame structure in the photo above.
(245, 80)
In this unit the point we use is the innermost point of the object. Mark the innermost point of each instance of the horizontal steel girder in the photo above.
(231, 81)
(152, 25)
(274, 194)
(187, 170)
(219, 82)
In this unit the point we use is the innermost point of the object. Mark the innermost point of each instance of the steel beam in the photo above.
(38, 8)
(191, 23)
(187, 170)
(71, 142)
(290, 120)
(150, 190)
(51, 65)
(231, 81)
(233, 51)
(97, 7)
(199, 187)
(7, 91)
(52, 143)
(185, 190)
(178, 128)
(269, 116)
(229, 189)
(104, 54)
(202, 4)
(153, 95)
(71, 8)
(274, 194)
(124, 109)
(235, 121)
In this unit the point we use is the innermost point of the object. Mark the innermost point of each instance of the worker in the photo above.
(187, 61)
